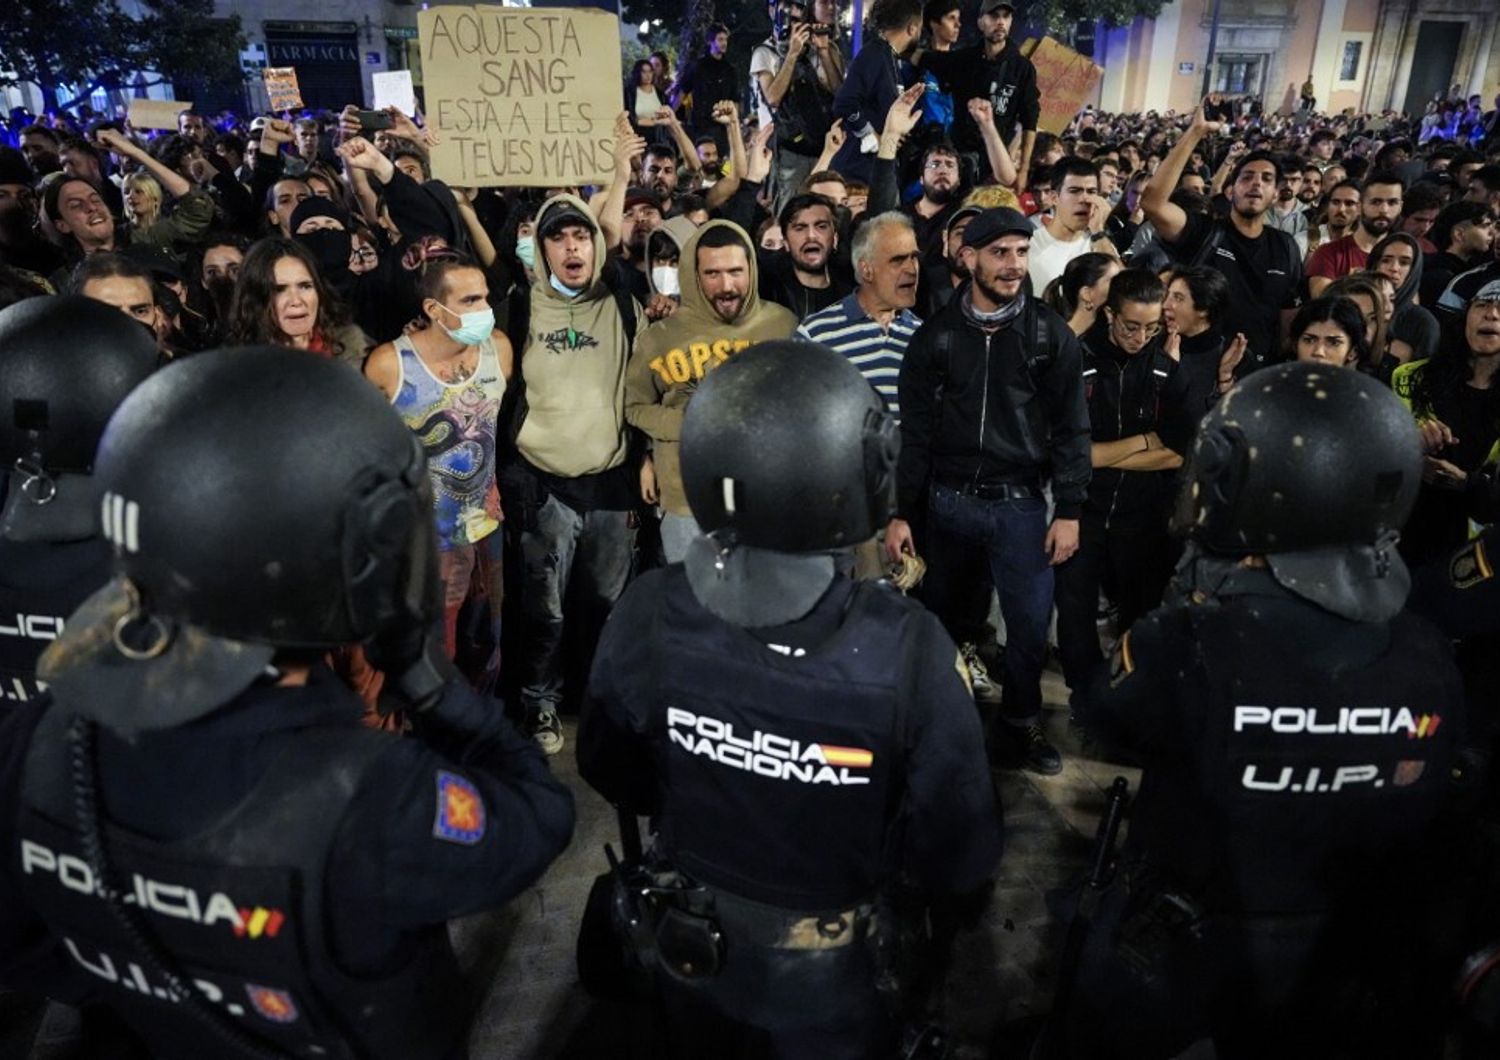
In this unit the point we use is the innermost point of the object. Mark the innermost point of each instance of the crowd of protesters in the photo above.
(1050, 314)
(831, 195)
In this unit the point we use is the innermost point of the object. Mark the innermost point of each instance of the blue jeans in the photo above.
(602, 542)
(1013, 534)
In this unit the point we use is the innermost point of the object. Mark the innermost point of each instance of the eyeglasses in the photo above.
(942, 163)
(1131, 329)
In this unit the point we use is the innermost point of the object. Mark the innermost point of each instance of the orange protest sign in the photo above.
(1065, 81)
(281, 86)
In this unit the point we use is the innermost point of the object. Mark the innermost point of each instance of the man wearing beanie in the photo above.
(992, 410)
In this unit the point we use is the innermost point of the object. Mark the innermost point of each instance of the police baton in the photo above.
(1053, 1036)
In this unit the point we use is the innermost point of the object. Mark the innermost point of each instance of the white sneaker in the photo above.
(984, 689)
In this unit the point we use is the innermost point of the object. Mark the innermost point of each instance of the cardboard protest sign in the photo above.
(521, 96)
(156, 113)
(281, 86)
(393, 88)
(1064, 79)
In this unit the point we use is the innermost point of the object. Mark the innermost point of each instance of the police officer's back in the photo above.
(66, 363)
(215, 841)
(806, 742)
(1297, 729)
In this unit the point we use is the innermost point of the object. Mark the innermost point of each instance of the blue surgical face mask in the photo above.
(473, 328)
(526, 251)
(562, 288)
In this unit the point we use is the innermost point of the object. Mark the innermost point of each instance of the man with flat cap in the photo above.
(992, 410)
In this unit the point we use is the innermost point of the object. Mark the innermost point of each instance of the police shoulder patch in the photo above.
(1470, 566)
(1121, 663)
(460, 810)
(275, 1005)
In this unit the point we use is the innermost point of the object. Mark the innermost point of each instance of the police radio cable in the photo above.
(82, 735)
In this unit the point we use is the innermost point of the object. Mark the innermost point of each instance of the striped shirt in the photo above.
(876, 352)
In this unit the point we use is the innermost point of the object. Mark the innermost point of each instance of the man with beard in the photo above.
(20, 245)
(1379, 207)
(721, 314)
(42, 148)
(1286, 213)
(942, 278)
(808, 275)
(191, 126)
(941, 177)
(659, 174)
(994, 70)
(1075, 227)
(992, 406)
(1261, 264)
(1312, 187)
(1342, 214)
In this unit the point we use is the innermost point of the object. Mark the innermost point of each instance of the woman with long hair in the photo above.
(1365, 292)
(1413, 329)
(642, 98)
(280, 300)
(143, 198)
(1330, 331)
(1456, 401)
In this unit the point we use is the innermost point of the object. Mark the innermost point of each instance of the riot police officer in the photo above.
(806, 742)
(1297, 729)
(66, 363)
(215, 842)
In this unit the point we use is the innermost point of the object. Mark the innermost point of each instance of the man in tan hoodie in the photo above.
(577, 477)
(721, 314)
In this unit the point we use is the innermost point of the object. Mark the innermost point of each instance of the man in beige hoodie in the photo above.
(578, 477)
(721, 314)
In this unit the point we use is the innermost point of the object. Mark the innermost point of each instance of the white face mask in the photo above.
(664, 279)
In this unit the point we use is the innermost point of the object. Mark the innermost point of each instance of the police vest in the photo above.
(781, 768)
(239, 909)
(1305, 784)
(41, 583)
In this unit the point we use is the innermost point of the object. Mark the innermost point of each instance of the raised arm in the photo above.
(727, 114)
(680, 137)
(171, 181)
(983, 113)
(609, 208)
(776, 88)
(1167, 217)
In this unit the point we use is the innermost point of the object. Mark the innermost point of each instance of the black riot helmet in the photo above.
(257, 500)
(787, 447)
(1301, 456)
(66, 363)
